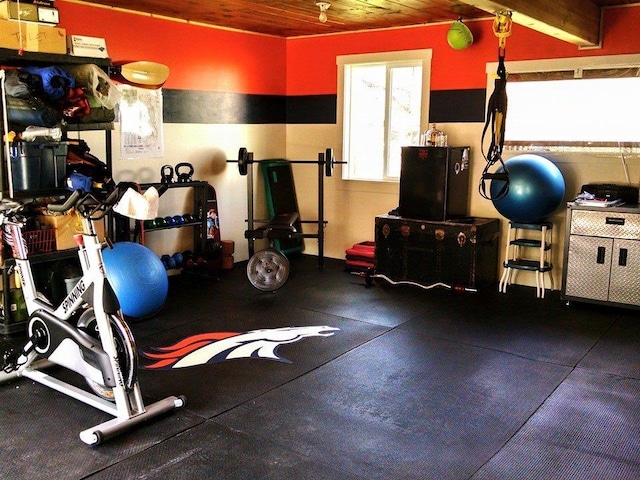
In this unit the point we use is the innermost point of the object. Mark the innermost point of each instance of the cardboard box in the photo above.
(82, 46)
(35, 37)
(66, 226)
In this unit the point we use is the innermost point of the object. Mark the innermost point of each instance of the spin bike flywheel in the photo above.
(268, 270)
(125, 347)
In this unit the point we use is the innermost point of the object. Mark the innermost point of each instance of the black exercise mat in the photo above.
(403, 406)
(517, 322)
(193, 297)
(618, 351)
(380, 304)
(211, 451)
(41, 427)
(587, 430)
(217, 387)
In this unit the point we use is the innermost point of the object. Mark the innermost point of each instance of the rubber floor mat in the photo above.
(587, 430)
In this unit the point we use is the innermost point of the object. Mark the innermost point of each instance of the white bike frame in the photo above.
(128, 408)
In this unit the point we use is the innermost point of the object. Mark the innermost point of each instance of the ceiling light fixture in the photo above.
(324, 6)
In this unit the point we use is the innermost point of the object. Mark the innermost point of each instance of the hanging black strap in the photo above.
(496, 117)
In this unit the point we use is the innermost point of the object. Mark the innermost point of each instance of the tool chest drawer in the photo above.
(605, 224)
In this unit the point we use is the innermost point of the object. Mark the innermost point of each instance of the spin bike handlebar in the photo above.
(87, 203)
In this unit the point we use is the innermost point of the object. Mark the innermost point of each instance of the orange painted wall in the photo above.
(211, 59)
(200, 58)
(316, 72)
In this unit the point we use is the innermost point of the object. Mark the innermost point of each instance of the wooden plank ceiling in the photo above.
(293, 18)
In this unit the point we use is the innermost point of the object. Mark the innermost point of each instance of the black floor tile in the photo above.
(40, 434)
(415, 384)
(541, 329)
(588, 429)
(211, 451)
(403, 406)
(618, 352)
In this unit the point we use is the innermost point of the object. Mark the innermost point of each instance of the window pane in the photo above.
(404, 113)
(366, 121)
(589, 110)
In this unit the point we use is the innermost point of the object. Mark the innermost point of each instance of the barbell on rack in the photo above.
(245, 158)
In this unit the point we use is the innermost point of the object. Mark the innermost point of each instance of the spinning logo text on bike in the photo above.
(76, 293)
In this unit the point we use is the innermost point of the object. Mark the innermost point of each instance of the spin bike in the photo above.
(86, 333)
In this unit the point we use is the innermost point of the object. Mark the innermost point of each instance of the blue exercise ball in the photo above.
(138, 278)
(536, 189)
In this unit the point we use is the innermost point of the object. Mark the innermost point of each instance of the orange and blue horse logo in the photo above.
(220, 346)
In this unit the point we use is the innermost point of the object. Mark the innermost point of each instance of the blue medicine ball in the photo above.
(536, 189)
(138, 278)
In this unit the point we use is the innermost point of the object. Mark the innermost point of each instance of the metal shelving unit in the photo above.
(12, 58)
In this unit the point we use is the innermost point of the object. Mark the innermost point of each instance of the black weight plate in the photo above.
(243, 160)
(328, 162)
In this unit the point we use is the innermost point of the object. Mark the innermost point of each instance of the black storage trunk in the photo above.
(460, 252)
(434, 182)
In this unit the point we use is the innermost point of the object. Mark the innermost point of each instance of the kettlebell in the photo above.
(166, 174)
(182, 175)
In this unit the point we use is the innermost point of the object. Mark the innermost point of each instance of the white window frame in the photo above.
(423, 55)
(577, 64)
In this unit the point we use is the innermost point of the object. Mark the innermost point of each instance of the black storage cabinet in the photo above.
(461, 252)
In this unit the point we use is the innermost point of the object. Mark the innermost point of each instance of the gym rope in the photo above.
(497, 113)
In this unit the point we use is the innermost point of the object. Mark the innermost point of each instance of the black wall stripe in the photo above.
(312, 109)
(187, 106)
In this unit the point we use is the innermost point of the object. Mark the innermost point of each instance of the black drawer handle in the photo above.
(622, 257)
(615, 221)
(601, 253)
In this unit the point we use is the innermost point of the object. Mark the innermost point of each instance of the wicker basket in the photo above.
(40, 241)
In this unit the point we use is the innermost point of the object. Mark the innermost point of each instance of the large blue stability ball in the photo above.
(536, 189)
(138, 278)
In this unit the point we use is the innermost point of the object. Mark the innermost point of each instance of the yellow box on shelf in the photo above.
(66, 226)
(32, 37)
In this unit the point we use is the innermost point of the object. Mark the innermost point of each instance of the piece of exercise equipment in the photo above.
(496, 117)
(86, 333)
(184, 172)
(459, 36)
(268, 270)
(138, 278)
(369, 276)
(245, 159)
(536, 189)
(166, 174)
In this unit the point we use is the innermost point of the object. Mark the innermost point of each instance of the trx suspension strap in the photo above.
(497, 114)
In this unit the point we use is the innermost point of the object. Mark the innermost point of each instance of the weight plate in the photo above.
(243, 160)
(268, 270)
(329, 162)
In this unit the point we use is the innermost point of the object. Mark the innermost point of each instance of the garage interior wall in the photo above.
(277, 98)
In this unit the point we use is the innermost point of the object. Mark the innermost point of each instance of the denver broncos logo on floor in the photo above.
(220, 346)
